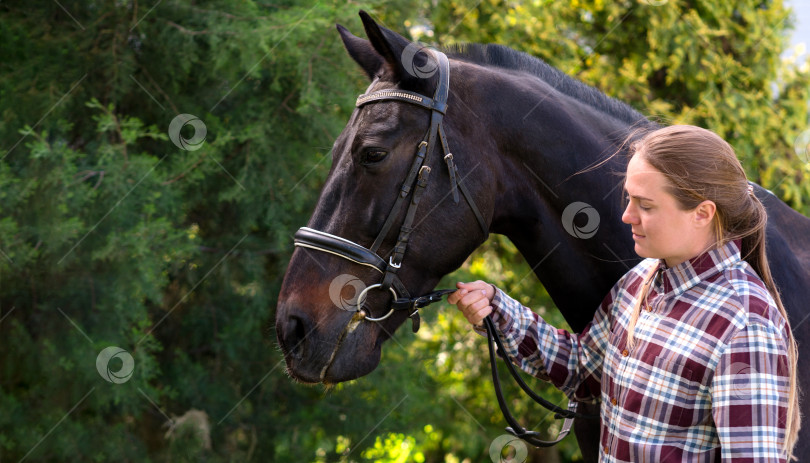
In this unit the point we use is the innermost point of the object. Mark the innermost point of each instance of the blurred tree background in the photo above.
(110, 235)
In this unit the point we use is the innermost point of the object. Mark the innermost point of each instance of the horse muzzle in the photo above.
(334, 349)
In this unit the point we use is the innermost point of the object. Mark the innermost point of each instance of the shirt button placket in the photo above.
(614, 412)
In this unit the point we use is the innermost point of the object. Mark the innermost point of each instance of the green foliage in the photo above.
(111, 235)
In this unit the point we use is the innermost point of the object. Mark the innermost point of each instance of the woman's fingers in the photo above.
(475, 311)
(478, 312)
(473, 296)
(473, 300)
(479, 304)
(474, 285)
(453, 298)
(479, 316)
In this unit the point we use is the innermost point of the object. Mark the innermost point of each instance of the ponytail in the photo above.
(754, 252)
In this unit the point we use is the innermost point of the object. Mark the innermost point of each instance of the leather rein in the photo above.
(416, 182)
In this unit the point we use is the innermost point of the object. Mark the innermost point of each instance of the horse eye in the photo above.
(373, 156)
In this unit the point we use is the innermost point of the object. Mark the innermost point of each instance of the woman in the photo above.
(691, 352)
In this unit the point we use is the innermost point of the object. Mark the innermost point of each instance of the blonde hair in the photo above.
(699, 165)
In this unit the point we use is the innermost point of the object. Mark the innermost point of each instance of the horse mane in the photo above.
(508, 58)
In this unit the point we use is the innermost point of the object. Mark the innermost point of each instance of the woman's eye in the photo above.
(372, 156)
(640, 206)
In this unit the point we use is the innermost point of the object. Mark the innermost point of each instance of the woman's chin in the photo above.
(641, 251)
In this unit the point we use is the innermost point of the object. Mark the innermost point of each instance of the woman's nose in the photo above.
(628, 216)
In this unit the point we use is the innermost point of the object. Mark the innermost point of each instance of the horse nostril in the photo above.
(294, 334)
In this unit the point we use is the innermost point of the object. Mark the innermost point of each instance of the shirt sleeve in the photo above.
(572, 362)
(749, 394)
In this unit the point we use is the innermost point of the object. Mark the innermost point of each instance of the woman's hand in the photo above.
(473, 300)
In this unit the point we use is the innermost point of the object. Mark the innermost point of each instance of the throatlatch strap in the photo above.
(478, 215)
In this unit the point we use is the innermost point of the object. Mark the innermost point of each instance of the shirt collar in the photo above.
(681, 277)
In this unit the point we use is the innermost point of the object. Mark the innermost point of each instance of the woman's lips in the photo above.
(637, 236)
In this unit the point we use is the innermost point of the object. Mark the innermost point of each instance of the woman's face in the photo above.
(661, 229)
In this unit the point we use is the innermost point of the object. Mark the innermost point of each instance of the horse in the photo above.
(524, 139)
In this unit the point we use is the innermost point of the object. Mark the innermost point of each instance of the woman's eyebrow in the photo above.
(640, 198)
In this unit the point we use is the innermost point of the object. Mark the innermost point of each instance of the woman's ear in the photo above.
(704, 214)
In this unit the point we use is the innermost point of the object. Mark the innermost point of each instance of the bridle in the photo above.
(416, 182)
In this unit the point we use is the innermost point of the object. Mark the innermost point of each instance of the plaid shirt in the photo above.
(707, 379)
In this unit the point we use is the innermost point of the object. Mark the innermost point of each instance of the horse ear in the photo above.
(388, 44)
(361, 51)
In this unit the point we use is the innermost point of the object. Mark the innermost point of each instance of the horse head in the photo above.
(323, 329)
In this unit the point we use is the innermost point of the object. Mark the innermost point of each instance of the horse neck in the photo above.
(545, 143)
